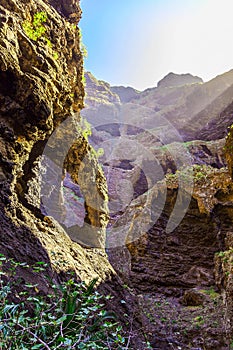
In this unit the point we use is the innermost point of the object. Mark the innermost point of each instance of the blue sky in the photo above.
(135, 43)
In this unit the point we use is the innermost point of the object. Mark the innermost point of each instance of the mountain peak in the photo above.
(126, 94)
(173, 79)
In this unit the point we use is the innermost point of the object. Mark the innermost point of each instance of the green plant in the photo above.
(74, 26)
(125, 286)
(99, 152)
(86, 129)
(199, 175)
(55, 55)
(84, 50)
(211, 292)
(36, 29)
(71, 316)
(83, 79)
(82, 46)
(220, 254)
(170, 177)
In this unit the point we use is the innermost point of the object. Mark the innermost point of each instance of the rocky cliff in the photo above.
(40, 87)
(99, 92)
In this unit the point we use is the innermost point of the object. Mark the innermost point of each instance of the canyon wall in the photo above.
(41, 69)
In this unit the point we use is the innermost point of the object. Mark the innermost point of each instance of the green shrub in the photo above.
(86, 128)
(82, 46)
(36, 30)
(71, 316)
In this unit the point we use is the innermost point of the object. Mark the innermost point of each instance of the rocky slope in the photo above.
(194, 110)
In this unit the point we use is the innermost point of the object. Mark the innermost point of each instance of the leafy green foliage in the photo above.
(83, 79)
(197, 174)
(82, 46)
(36, 30)
(211, 292)
(100, 152)
(71, 316)
(55, 55)
(86, 129)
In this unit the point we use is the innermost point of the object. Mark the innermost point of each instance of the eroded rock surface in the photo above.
(40, 87)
